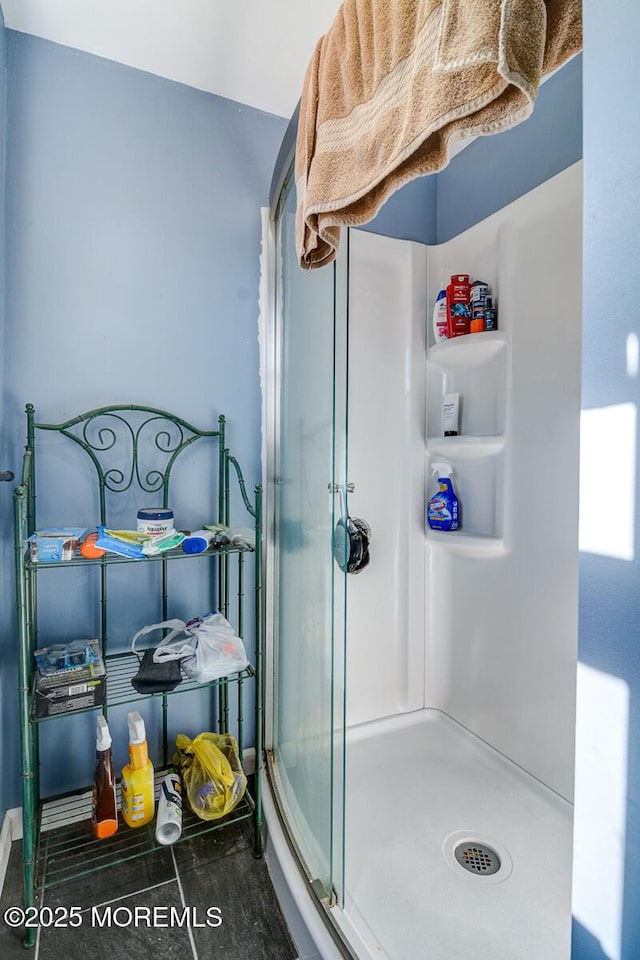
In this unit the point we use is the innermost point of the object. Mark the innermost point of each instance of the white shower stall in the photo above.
(420, 715)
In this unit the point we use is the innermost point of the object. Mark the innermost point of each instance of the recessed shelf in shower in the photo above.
(475, 367)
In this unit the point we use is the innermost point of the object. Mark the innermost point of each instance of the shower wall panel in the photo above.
(502, 592)
(387, 350)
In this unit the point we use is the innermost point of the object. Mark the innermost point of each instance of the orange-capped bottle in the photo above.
(104, 812)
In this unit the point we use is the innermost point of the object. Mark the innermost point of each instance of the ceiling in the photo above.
(253, 51)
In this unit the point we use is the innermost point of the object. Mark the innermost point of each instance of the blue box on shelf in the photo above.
(69, 677)
(54, 544)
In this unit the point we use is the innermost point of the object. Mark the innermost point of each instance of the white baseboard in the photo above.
(15, 819)
(249, 760)
(5, 849)
(11, 830)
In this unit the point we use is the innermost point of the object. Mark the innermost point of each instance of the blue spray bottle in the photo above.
(443, 509)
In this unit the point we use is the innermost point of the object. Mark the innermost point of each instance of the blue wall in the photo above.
(5, 488)
(410, 213)
(610, 588)
(133, 241)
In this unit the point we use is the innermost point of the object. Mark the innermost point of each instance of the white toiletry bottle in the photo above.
(440, 317)
(169, 817)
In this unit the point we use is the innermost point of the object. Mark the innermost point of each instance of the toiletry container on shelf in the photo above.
(129, 448)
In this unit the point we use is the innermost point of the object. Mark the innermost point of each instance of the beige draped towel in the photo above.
(394, 83)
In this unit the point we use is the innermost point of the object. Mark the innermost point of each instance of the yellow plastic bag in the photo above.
(213, 778)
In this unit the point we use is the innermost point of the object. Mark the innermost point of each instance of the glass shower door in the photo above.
(309, 589)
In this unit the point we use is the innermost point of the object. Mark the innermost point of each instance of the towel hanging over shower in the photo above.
(394, 83)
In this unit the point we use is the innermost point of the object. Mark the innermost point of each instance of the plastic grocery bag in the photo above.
(208, 647)
(213, 778)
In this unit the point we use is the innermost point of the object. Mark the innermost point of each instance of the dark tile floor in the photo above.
(213, 870)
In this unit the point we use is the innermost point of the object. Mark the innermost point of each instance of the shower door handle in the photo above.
(351, 535)
(337, 487)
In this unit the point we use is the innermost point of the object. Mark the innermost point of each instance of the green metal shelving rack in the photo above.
(58, 844)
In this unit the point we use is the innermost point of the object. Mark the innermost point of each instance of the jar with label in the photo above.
(155, 521)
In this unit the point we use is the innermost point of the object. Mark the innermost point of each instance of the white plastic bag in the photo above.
(208, 647)
(218, 650)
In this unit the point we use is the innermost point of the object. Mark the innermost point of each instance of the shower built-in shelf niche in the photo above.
(474, 366)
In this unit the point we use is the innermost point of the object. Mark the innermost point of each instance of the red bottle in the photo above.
(458, 310)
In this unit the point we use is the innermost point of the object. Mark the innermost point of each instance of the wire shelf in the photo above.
(130, 448)
(120, 670)
(67, 848)
(177, 553)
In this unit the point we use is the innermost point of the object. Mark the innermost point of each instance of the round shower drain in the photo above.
(488, 858)
(477, 858)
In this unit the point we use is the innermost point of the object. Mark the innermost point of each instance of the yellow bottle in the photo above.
(137, 777)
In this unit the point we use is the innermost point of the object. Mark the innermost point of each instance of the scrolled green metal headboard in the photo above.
(103, 431)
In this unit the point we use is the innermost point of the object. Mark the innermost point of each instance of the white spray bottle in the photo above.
(169, 817)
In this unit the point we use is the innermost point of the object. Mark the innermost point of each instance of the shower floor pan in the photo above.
(420, 788)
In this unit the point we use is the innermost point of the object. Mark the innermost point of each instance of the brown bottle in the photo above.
(104, 814)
